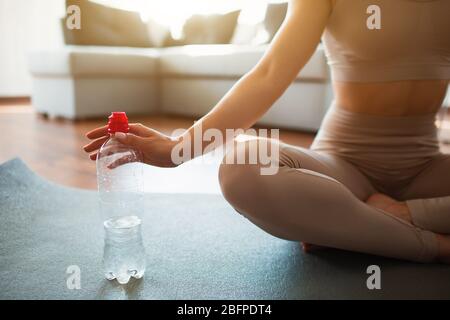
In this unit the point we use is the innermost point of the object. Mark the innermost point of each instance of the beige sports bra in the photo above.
(388, 40)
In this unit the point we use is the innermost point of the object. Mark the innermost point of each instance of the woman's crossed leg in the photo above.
(319, 199)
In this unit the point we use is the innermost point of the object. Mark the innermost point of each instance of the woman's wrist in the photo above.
(176, 158)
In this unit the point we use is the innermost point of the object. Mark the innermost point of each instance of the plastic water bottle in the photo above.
(121, 186)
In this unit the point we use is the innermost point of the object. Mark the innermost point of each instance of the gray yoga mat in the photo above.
(197, 248)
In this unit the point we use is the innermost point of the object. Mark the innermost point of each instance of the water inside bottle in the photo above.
(123, 222)
(124, 253)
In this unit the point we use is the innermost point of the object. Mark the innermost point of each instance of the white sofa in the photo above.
(82, 82)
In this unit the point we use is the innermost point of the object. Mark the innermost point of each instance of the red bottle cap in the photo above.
(118, 122)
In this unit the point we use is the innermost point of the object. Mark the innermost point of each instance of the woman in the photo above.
(374, 180)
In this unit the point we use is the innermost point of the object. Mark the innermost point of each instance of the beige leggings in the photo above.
(318, 195)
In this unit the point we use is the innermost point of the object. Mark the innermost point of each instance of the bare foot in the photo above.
(390, 205)
(444, 248)
(308, 248)
(400, 210)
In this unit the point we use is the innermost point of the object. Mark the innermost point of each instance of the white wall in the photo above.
(25, 25)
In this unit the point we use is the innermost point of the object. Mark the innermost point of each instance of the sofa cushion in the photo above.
(228, 61)
(103, 26)
(90, 61)
(207, 29)
(275, 15)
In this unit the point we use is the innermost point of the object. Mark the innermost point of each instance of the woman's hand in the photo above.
(155, 146)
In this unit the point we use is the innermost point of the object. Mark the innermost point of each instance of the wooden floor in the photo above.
(53, 147)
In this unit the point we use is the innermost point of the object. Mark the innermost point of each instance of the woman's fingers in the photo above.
(97, 133)
(119, 162)
(95, 145)
(100, 136)
(135, 128)
(141, 130)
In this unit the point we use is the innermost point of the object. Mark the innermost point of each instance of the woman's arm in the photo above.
(250, 97)
(258, 90)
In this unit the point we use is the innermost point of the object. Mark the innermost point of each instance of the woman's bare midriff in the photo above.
(400, 98)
